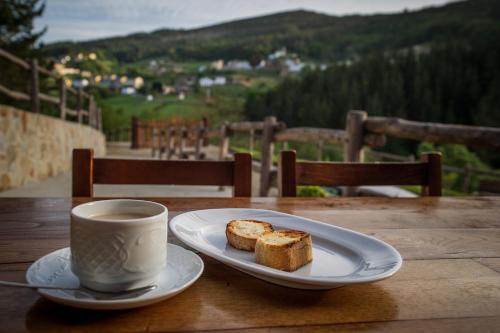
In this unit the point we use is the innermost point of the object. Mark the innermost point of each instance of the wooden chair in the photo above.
(88, 171)
(426, 173)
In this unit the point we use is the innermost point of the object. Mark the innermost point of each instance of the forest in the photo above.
(313, 36)
(449, 82)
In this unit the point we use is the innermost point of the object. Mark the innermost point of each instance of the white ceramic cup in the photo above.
(118, 254)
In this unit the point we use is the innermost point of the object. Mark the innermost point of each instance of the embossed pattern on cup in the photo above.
(112, 255)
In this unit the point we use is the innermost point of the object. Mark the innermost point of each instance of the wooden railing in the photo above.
(171, 137)
(467, 171)
(361, 131)
(474, 136)
(92, 113)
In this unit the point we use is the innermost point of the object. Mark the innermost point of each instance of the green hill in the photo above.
(311, 35)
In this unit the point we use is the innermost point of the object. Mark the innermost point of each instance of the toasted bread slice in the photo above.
(242, 234)
(287, 250)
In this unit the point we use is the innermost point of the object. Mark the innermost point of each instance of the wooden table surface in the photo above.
(450, 279)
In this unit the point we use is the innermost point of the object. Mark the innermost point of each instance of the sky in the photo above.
(90, 19)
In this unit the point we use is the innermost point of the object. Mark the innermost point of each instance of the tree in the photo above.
(452, 82)
(17, 33)
(17, 36)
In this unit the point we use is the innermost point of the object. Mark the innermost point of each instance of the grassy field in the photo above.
(226, 104)
(118, 110)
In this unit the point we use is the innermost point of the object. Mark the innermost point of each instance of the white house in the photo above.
(209, 82)
(206, 82)
(238, 65)
(220, 81)
(218, 65)
(80, 83)
(153, 64)
(127, 91)
(293, 66)
(277, 54)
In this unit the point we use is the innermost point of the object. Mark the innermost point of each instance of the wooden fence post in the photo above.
(79, 105)
(62, 98)
(183, 134)
(434, 172)
(83, 171)
(154, 137)
(35, 87)
(267, 154)
(353, 149)
(99, 119)
(251, 139)
(170, 142)
(200, 133)
(91, 113)
(161, 143)
(134, 133)
(204, 121)
(96, 111)
(319, 151)
(224, 142)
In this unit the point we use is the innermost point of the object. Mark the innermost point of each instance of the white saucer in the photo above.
(183, 269)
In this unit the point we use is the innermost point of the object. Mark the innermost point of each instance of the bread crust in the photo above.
(286, 250)
(241, 240)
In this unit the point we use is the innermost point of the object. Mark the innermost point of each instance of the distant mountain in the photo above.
(311, 35)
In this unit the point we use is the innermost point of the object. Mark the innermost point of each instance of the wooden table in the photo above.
(450, 280)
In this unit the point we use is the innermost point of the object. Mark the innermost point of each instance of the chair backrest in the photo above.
(426, 173)
(88, 171)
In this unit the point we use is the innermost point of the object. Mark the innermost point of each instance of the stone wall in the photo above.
(34, 146)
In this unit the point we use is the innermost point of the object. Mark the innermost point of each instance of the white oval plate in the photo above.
(340, 256)
(183, 268)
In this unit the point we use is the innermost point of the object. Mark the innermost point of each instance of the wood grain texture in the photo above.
(441, 243)
(312, 134)
(356, 174)
(242, 175)
(119, 171)
(475, 324)
(287, 177)
(435, 132)
(18, 61)
(48, 98)
(353, 148)
(225, 298)
(434, 174)
(62, 98)
(88, 171)
(17, 95)
(426, 173)
(83, 169)
(449, 280)
(492, 263)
